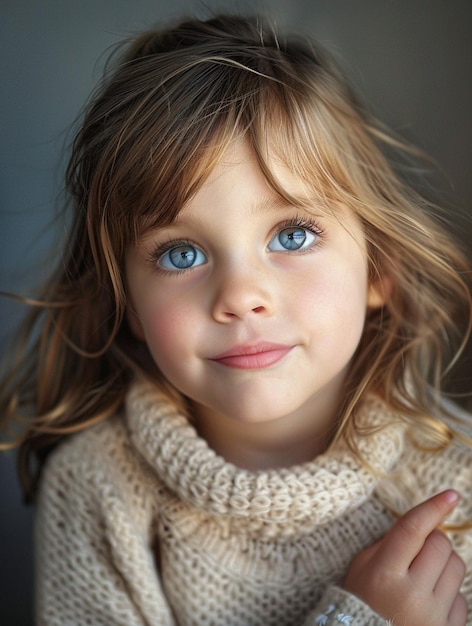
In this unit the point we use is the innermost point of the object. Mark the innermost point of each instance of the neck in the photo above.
(284, 442)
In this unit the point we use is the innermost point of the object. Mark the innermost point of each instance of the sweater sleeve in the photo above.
(93, 560)
(338, 606)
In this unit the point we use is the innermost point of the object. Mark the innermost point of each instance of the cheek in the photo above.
(165, 330)
(337, 302)
(334, 288)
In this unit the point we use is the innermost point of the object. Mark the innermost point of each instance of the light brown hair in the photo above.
(160, 120)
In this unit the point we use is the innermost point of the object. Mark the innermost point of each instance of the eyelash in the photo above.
(308, 224)
(161, 249)
(296, 222)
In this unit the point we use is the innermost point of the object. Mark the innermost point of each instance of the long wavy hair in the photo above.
(167, 108)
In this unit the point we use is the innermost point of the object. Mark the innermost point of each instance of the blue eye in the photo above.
(182, 257)
(292, 238)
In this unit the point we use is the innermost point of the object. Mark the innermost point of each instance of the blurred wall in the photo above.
(411, 60)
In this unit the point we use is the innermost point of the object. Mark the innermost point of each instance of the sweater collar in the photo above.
(314, 493)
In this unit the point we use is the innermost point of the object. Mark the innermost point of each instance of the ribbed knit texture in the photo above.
(140, 523)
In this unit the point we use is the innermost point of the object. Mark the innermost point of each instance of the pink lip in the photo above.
(256, 356)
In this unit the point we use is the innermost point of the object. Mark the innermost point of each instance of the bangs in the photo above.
(170, 128)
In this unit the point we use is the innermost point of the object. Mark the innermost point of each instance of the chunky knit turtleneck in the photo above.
(140, 522)
(286, 501)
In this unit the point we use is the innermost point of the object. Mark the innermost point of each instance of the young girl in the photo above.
(241, 354)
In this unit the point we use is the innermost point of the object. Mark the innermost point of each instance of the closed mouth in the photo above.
(256, 356)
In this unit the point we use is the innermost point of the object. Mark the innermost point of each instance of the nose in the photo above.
(241, 293)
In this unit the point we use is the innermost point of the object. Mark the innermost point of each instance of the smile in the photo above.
(252, 357)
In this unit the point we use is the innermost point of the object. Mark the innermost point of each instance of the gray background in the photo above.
(410, 59)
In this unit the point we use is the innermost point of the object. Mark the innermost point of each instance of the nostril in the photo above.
(258, 309)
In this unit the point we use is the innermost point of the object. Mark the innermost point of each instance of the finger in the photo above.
(449, 582)
(406, 537)
(458, 612)
(431, 560)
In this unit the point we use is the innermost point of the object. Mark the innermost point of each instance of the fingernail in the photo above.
(451, 496)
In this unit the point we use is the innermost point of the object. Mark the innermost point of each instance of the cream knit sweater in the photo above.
(140, 523)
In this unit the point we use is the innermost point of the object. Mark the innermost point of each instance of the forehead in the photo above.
(237, 187)
(273, 185)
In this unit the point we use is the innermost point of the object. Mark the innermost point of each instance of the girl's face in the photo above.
(252, 307)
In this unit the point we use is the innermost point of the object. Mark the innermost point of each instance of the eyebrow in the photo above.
(268, 205)
(264, 205)
(272, 205)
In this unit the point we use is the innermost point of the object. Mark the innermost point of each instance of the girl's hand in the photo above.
(412, 576)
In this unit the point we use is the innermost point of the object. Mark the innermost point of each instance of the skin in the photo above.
(244, 291)
(412, 576)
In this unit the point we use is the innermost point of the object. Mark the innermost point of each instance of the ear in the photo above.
(134, 322)
(378, 291)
